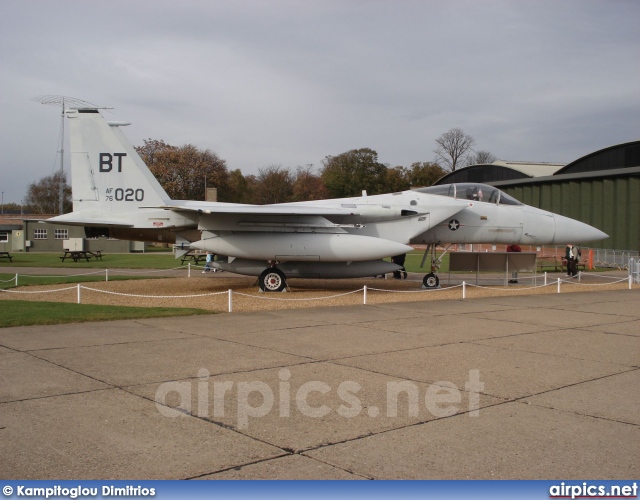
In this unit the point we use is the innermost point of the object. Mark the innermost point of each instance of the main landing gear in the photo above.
(272, 279)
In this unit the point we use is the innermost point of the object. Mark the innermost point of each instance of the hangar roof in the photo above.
(625, 155)
(501, 171)
(621, 159)
(531, 169)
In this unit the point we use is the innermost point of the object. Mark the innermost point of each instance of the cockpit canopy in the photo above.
(471, 191)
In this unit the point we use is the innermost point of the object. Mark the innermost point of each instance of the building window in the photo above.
(61, 234)
(39, 234)
(4, 236)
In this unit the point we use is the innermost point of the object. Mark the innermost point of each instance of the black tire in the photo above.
(431, 280)
(272, 280)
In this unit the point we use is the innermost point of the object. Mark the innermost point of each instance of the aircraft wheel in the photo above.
(431, 281)
(272, 280)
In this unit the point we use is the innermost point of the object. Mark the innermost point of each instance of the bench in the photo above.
(549, 261)
(97, 254)
(75, 255)
(6, 255)
(555, 262)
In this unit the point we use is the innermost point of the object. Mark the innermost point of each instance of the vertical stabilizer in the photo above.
(107, 174)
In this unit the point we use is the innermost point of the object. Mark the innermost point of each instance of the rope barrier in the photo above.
(317, 298)
(624, 280)
(230, 292)
(38, 291)
(145, 271)
(108, 292)
(516, 289)
(415, 291)
(59, 275)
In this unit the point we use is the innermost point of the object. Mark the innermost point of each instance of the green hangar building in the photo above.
(601, 189)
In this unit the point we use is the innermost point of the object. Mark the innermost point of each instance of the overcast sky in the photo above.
(290, 82)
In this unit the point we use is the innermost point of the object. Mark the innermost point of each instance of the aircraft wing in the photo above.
(284, 209)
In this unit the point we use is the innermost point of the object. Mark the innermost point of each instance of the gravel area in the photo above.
(211, 292)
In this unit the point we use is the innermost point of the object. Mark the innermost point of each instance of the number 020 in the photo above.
(129, 194)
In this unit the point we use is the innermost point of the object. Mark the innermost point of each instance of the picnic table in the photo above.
(195, 257)
(75, 255)
(6, 255)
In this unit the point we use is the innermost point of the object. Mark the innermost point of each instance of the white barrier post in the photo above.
(558, 285)
(230, 300)
(545, 278)
(16, 279)
(365, 295)
(106, 275)
(188, 269)
(464, 290)
(579, 276)
(630, 280)
(78, 293)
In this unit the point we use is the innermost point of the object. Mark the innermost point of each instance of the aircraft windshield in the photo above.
(472, 191)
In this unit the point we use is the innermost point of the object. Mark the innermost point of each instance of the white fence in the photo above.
(634, 270)
(617, 259)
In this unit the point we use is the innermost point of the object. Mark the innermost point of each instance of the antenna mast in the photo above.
(65, 102)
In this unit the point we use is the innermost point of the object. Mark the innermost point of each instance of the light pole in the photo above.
(2, 202)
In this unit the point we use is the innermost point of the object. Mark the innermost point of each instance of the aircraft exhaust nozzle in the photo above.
(573, 231)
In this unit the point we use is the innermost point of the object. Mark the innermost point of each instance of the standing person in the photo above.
(572, 255)
(399, 260)
(207, 262)
(514, 274)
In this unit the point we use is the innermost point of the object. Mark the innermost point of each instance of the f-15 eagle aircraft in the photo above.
(114, 194)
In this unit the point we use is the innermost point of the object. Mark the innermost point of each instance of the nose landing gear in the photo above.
(431, 279)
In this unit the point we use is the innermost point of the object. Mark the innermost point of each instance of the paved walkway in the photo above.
(538, 387)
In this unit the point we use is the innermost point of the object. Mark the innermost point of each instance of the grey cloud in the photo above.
(289, 82)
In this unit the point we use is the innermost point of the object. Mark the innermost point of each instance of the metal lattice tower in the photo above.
(65, 103)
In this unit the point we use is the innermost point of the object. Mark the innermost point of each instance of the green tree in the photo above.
(349, 173)
(422, 174)
(184, 171)
(397, 179)
(241, 188)
(14, 208)
(43, 196)
(308, 186)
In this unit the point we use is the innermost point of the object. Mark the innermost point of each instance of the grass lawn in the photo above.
(23, 313)
(412, 262)
(157, 260)
(153, 260)
(8, 280)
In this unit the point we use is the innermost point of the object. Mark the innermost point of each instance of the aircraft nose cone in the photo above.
(573, 231)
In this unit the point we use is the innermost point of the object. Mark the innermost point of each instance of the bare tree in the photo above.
(453, 148)
(43, 196)
(480, 157)
(274, 185)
